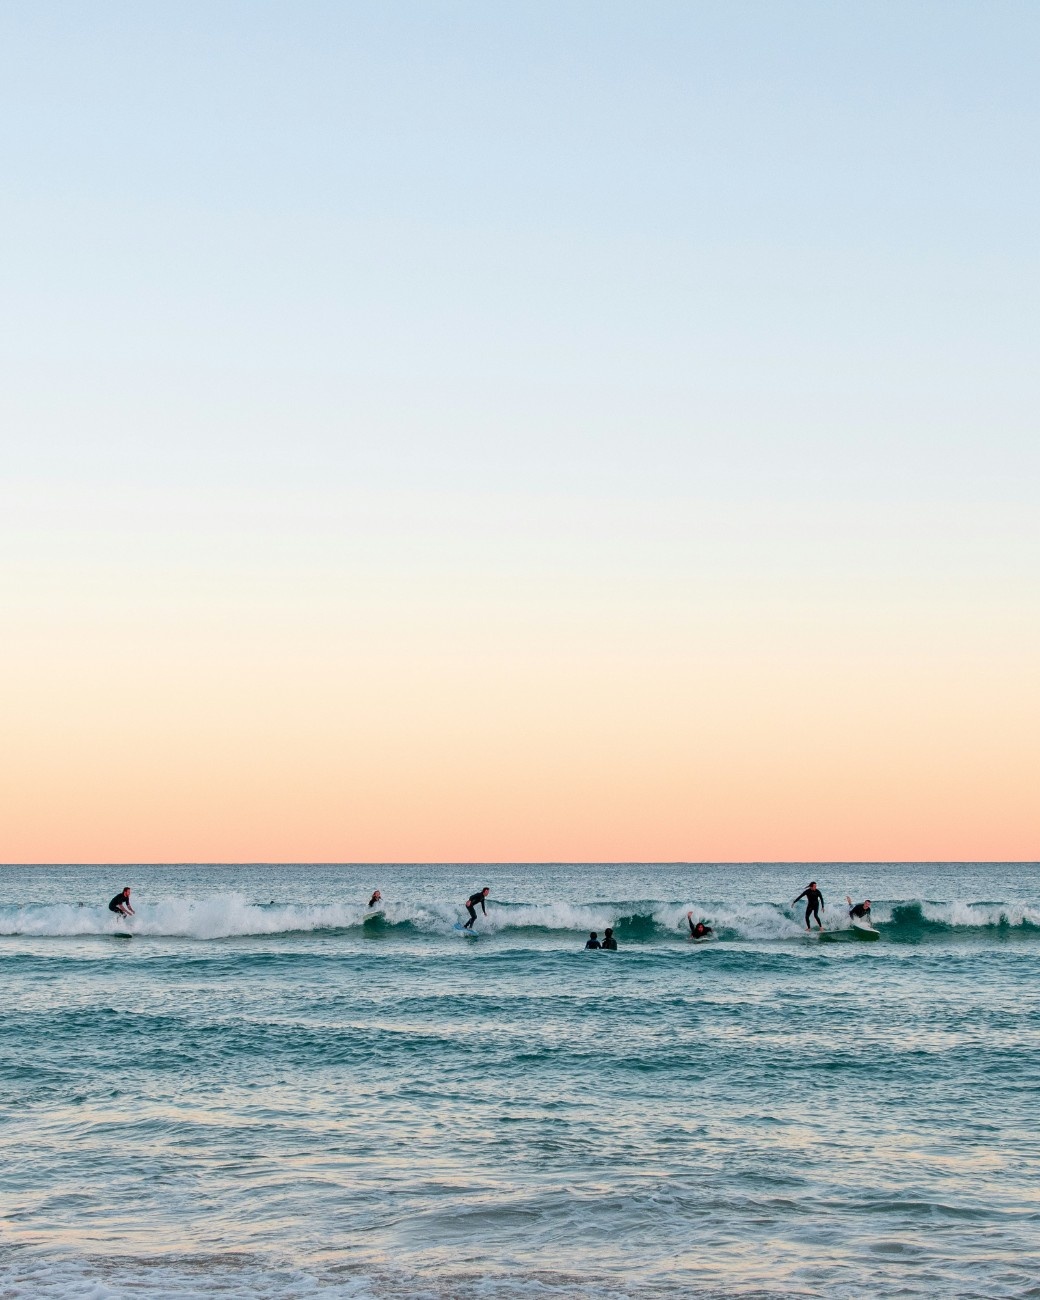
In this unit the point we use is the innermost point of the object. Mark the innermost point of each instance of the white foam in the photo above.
(975, 915)
(222, 916)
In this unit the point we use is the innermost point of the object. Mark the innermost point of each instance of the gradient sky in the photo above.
(547, 431)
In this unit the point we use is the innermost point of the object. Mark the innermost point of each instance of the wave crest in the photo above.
(223, 916)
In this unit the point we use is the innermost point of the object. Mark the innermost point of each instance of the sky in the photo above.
(450, 431)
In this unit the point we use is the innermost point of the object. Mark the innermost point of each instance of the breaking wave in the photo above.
(635, 921)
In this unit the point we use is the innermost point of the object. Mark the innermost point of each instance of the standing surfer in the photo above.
(813, 903)
(471, 906)
(121, 904)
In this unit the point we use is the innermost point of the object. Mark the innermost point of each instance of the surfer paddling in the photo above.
(698, 930)
(813, 903)
(472, 903)
(121, 904)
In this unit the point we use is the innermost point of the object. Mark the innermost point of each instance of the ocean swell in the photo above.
(635, 921)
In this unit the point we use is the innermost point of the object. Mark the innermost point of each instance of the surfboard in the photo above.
(700, 938)
(461, 929)
(122, 934)
(863, 929)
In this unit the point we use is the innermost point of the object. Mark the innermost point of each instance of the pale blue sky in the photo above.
(612, 248)
(663, 325)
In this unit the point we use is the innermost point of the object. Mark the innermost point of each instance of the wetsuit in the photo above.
(119, 905)
(700, 930)
(860, 911)
(610, 943)
(593, 943)
(471, 907)
(813, 902)
(376, 898)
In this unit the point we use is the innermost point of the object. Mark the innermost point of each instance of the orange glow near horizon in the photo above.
(393, 735)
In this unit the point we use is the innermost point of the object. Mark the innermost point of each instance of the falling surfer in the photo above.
(859, 911)
(699, 930)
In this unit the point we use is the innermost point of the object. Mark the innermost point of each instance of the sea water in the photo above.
(270, 1091)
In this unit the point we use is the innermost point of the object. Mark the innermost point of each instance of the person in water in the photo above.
(593, 941)
(377, 897)
(609, 942)
(121, 903)
(698, 930)
(471, 906)
(858, 911)
(813, 903)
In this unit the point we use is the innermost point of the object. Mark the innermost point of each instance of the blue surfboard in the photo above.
(461, 929)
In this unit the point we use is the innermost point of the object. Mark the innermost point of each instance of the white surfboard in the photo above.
(863, 928)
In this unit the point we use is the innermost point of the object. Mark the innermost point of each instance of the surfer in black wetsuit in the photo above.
(858, 911)
(121, 904)
(377, 897)
(813, 903)
(471, 906)
(700, 930)
(609, 942)
(593, 941)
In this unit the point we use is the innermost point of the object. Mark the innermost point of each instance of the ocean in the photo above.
(270, 1092)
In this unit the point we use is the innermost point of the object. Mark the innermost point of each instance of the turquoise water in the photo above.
(264, 1094)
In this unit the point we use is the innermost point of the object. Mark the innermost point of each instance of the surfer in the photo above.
(471, 906)
(858, 911)
(698, 930)
(121, 903)
(377, 897)
(813, 903)
(609, 942)
(593, 941)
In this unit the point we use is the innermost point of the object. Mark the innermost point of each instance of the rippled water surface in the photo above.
(269, 1091)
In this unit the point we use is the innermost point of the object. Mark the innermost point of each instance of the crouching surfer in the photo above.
(121, 904)
(859, 911)
(698, 930)
(471, 906)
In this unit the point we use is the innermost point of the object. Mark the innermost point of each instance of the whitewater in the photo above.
(273, 1090)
